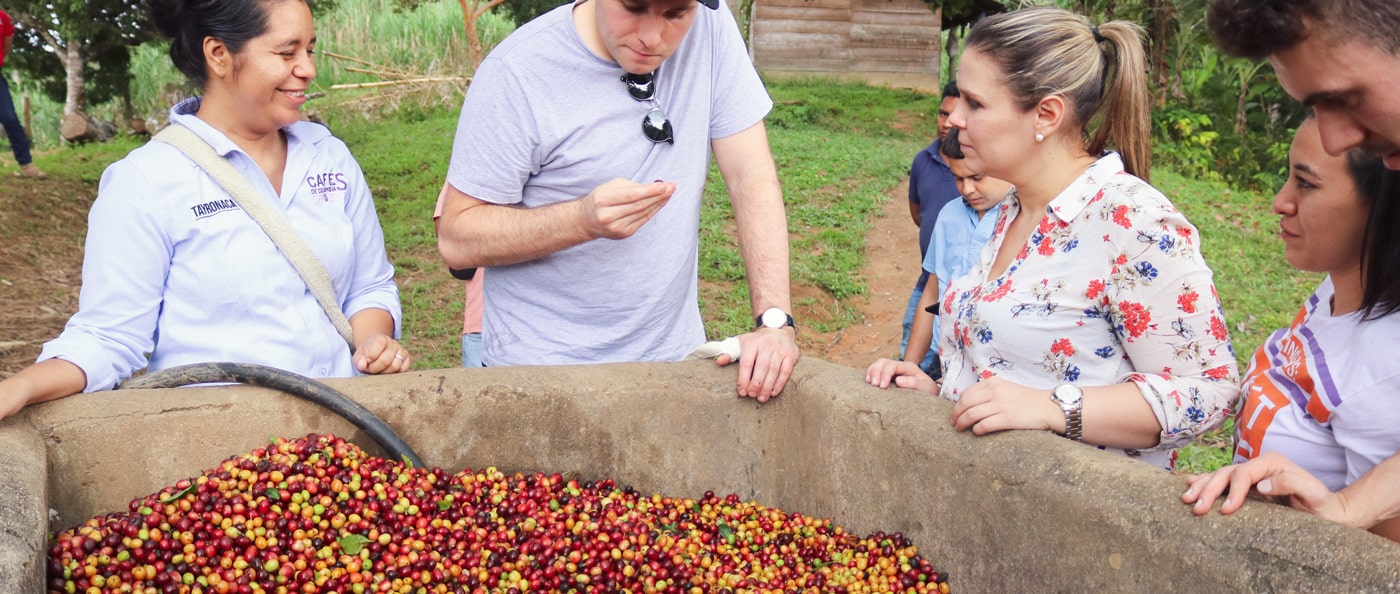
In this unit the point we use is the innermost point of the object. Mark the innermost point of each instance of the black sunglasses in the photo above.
(655, 125)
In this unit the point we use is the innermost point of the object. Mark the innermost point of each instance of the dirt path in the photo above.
(892, 266)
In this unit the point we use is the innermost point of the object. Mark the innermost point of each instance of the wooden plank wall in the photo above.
(846, 36)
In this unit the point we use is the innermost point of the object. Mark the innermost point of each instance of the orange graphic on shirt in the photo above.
(1264, 397)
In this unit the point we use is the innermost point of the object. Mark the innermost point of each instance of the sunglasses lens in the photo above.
(657, 128)
(641, 87)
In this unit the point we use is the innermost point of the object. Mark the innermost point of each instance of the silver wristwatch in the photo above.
(1071, 400)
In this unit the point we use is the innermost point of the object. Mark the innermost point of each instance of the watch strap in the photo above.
(1074, 424)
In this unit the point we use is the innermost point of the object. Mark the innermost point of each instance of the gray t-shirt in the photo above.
(547, 121)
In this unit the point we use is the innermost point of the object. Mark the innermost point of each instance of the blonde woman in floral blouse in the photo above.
(1091, 312)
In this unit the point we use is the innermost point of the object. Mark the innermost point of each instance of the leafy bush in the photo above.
(524, 11)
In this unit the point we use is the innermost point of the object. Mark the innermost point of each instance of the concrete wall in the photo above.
(1011, 512)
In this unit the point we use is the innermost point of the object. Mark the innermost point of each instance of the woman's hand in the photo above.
(903, 374)
(995, 404)
(382, 354)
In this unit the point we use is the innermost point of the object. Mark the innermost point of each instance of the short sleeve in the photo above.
(493, 153)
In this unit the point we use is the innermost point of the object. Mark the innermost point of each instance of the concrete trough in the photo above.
(1013, 512)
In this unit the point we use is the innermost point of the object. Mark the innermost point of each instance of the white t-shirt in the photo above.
(1325, 393)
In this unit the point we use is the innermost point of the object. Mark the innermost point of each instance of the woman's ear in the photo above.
(217, 58)
(1051, 113)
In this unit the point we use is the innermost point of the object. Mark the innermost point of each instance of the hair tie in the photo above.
(1097, 37)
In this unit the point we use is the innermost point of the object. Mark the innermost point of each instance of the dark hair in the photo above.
(950, 146)
(188, 22)
(1379, 187)
(1044, 50)
(1255, 29)
(951, 89)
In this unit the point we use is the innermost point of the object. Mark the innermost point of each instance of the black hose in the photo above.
(288, 382)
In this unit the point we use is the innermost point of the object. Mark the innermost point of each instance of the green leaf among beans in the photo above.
(352, 543)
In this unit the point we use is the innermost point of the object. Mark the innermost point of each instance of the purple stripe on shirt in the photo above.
(1321, 374)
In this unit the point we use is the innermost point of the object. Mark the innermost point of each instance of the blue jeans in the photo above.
(930, 362)
(471, 350)
(19, 142)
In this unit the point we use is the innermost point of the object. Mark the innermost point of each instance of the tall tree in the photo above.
(79, 48)
(957, 16)
(471, 11)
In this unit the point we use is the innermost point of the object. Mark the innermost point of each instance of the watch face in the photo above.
(774, 318)
(1068, 394)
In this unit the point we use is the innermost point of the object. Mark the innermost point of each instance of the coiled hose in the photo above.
(285, 381)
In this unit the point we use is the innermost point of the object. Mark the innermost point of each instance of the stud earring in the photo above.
(1039, 137)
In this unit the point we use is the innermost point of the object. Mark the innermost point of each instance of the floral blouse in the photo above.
(1110, 288)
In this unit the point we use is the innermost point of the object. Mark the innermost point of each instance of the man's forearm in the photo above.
(473, 234)
(764, 247)
(747, 166)
(1375, 497)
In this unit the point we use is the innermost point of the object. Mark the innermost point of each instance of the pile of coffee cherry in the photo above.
(318, 514)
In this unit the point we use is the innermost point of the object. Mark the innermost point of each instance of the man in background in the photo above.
(19, 141)
(932, 185)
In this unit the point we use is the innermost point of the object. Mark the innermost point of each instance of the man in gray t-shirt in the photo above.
(577, 175)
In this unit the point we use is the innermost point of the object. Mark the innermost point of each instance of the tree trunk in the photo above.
(80, 127)
(73, 66)
(471, 11)
(954, 50)
(1240, 115)
(1163, 16)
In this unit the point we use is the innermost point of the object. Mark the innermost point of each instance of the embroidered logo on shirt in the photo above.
(327, 186)
(209, 209)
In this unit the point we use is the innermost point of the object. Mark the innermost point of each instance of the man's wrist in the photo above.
(774, 318)
(788, 330)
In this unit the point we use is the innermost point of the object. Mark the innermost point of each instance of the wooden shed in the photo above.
(890, 42)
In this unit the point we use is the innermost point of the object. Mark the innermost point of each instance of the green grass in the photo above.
(839, 148)
(1258, 289)
(404, 177)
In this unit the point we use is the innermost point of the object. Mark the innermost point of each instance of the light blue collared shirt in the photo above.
(174, 272)
(957, 242)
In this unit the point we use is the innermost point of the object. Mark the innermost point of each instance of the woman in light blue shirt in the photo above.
(175, 272)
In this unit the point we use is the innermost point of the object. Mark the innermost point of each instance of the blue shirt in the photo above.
(174, 272)
(931, 186)
(958, 239)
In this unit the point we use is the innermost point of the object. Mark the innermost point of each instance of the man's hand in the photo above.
(618, 208)
(766, 359)
(1272, 475)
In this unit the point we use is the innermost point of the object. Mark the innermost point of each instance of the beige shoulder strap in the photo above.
(267, 217)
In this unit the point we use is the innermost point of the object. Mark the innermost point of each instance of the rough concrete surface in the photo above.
(1012, 512)
(23, 505)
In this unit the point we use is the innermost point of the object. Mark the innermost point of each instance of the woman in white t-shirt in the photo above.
(1321, 395)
